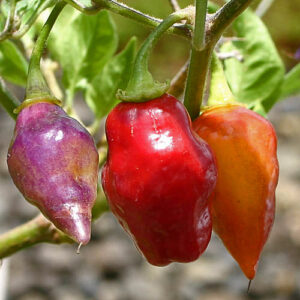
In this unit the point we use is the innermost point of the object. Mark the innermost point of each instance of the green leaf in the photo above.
(101, 93)
(7, 100)
(13, 65)
(82, 45)
(291, 83)
(255, 81)
(2, 22)
(219, 92)
(27, 10)
(31, 8)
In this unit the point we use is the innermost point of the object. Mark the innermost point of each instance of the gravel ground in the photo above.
(110, 267)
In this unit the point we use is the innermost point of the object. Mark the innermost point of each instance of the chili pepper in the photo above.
(243, 202)
(53, 161)
(158, 178)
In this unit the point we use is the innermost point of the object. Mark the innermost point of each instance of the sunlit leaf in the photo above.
(257, 80)
(101, 93)
(13, 65)
(82, 45)
(291, 83)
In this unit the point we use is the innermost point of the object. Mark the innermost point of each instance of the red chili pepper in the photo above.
(158, 178)
(243, 202)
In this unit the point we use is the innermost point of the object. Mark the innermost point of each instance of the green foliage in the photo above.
(82, 55)
(257, 80)
(101, 93)
(87, 59)
(27, 9)
(8, 101)
(219, 92)
(85, 45)
(13, 65)
(291, 83)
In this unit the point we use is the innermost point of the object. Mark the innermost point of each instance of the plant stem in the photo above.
(263, 7)
(89, 10)
(141, 86)
(200, 18)
(200, 56)
(101, 205)
(174, 4)
(7, 100)
(224, 17)
(129, 12)
(200, 59)
(38, 230)
(24, 28)
(178, 82)
(9, 25)
(195, 86)
(36, 84)
(11, 32)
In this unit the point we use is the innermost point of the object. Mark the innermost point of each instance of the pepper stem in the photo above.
(220, 92)
(199, 62)
(141, 86)
(37, 88)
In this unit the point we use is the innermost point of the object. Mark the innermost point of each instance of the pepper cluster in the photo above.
(168, 181)
(167, 186)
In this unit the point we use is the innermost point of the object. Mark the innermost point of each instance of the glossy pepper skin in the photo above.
(243, 203)
(53, 161)
(158, 178)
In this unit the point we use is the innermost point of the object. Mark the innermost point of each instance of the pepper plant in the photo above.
(165, 184)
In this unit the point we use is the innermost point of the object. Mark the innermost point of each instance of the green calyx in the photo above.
(143, 90)
(141, 86)
(220, 93)
(37, 89)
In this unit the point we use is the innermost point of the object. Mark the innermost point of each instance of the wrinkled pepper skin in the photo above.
(53, 161)
(158, 178)
(243, 202)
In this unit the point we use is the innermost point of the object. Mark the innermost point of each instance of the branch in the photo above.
(178, 82)
(89, 10)
(24, 28)
(233, 54)
(200, 57)
(202, 50)
(183, 30)
(174, 4)
(10, 21)
(263, 7)
(119, 8)
(16, 34)
(38, 230)
(224, 17)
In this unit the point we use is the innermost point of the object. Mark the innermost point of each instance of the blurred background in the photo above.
(110, 268)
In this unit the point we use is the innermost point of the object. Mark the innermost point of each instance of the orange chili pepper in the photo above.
(243, 202)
